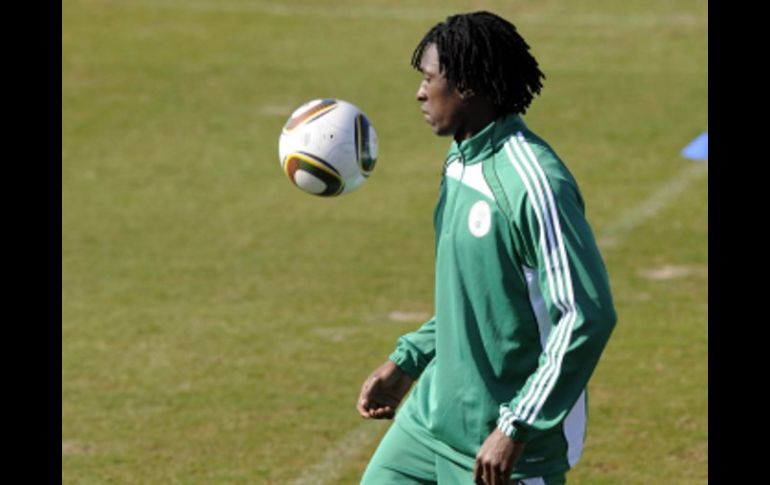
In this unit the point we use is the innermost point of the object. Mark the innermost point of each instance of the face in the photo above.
(441, 103)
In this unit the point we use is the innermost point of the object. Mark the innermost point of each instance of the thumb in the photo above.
(368, 388)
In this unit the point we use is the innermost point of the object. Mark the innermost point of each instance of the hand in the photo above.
(495, 459)
(382, 392)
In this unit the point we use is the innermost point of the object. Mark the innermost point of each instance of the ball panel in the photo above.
(309, 183)
(312, 112)
(297, 165)
(363, 134)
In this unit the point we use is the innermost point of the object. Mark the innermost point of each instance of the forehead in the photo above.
(429, 62)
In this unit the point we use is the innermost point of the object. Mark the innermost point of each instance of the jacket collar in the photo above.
(487, 141)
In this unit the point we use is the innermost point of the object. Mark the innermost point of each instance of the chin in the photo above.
(441, 130)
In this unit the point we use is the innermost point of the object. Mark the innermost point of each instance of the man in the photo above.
(523, 307)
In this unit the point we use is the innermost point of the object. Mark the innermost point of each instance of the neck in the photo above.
(480, 114)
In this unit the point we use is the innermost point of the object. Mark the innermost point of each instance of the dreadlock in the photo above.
(484, 53)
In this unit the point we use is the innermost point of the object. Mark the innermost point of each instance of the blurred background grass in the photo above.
(217, 322)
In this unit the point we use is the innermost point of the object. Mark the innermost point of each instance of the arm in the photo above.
(556, 238)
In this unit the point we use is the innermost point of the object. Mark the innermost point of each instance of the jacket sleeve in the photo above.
(556, 241)
(416, 349)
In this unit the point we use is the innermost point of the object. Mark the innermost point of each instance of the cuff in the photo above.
(511, 426)
(406, 363)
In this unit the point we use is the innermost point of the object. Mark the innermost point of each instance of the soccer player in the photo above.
(523, 308)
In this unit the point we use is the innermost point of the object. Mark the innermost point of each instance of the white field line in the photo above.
(650, 207)
(333, 462)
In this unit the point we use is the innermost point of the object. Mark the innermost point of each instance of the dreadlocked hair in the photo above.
(484, 53)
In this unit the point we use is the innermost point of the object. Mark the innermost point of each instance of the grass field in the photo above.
(217, 322)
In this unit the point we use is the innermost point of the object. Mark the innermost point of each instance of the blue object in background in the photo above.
(698, 149)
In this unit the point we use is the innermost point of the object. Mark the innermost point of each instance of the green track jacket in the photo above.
(523, 307)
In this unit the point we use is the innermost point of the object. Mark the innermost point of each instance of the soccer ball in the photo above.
(328, 147)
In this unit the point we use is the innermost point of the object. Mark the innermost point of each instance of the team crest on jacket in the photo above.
(480, 219)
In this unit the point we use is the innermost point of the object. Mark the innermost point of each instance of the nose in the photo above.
(421, 95)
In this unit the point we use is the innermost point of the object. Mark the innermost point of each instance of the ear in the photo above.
(466, 94)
